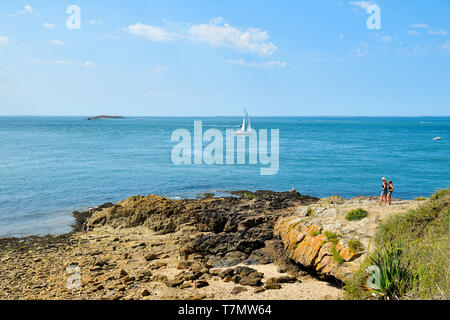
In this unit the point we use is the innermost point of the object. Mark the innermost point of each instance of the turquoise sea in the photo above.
(51, 166)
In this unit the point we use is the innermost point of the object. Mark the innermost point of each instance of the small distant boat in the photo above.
(245, 131)
(437, 138)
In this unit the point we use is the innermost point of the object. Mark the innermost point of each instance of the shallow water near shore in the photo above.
(51, 166)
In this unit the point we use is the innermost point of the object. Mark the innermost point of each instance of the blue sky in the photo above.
(214, 57)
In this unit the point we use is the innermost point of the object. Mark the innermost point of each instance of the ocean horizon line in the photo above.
(238, 115)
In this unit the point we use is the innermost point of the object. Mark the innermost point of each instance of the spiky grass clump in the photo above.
(356, 214)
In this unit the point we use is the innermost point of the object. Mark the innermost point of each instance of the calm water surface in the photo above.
(50, 166)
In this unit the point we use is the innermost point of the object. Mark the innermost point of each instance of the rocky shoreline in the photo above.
(151, 247)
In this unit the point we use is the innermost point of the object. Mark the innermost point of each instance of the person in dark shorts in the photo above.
(390, 190)
(384, 191)
(84, 228)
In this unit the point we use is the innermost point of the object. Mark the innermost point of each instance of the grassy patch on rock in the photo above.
(356, 214)
(410, 257)
(334, 238)
(355, 245)
(315, 233)
(310, 212)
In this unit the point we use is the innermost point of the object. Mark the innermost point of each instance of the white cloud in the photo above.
(357, 52)
(319, 57)
(3, 40)
(150, 32)
(88, 64)
(417, 50)
(386, 39)
(420, 26)
(446, 46)
(59, 62)
(267, 64)
(159, 69)
(49, 25)
(440, 32)
(57, 42)
(413, 32)
(96, 21)
(361, 4)
(436, 32)
(219, 34)
(28, 8)
(110, 36)
(361, 50)
(55, 62)
(383, 37)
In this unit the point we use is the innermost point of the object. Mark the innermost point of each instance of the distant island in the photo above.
(105, 117)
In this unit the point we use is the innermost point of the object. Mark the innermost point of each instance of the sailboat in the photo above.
(245, 131)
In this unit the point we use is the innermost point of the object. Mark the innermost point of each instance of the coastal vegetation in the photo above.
(355, 245)
(410, 257)
(333, 238)
(356, 214)
(310, 212)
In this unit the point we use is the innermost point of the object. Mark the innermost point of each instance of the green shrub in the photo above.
(420, 199)
(249, 195)
(356, 214)
(332, 237)
(355, 245)
(440, 194)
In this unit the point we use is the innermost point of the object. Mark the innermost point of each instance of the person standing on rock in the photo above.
(390, 190)
(384, 191)
(85, 228)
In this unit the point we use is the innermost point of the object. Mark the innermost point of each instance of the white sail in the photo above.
(243, 131)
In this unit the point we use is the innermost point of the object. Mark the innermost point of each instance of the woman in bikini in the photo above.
(384, 191)
(390, 190)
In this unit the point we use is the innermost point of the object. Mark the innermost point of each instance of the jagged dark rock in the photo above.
(231, 230)
(81, 217)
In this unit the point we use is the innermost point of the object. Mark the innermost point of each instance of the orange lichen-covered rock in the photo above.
(305, 244)
(347, 254)
(307, 250)
(339, 245)
(322, 262)
(325, 250)
(295, 235)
